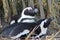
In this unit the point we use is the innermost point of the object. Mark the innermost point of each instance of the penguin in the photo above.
(25, 24)
(25, 14)
(43, 26)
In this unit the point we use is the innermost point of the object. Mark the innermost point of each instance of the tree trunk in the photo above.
(6, 10)
(41, 9)
(56, 6)
(23, 3)
(49, 8)
(31, 3)
(13, 4)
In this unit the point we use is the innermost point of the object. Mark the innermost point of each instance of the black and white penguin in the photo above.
(43, 26)
(27, 13)
(25, 24)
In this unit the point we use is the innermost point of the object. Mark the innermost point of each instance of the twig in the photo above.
(31, 32)
(53, 36)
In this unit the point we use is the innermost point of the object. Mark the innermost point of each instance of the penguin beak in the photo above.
(51, 18)
(35, 10)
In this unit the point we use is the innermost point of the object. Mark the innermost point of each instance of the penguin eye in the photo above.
(26, 11)
(45, 25)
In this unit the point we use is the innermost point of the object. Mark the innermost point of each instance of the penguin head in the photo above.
(43, 26)
(47, 22)
(27, 14)
(29, 11)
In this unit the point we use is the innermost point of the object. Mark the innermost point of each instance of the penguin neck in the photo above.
(25, 16)
(28, 20)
